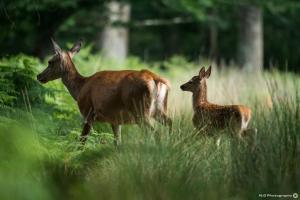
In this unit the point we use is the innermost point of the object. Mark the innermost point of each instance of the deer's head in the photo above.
(58, 63)
(195, 83)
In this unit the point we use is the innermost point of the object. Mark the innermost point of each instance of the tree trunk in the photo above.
(114, 44)
(250, 47)
(213, 42)
(46, 29)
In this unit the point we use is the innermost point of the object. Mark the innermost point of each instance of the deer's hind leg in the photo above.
(250, 136)
(163, 118)
(143, 110)
(117, 133)
(244, 126)
(161, 105)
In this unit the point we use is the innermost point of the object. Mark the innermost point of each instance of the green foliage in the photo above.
(18, 84)
(85, 19)
(181, 165)
(41, 158)
(20, 156)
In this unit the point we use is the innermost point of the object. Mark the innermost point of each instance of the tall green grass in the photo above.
(40, 156)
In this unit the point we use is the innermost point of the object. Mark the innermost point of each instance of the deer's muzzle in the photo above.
(182, 87)
(41, 79)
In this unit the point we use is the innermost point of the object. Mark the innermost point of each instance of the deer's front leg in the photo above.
(117, 132)
(87, 127)
(85, 131)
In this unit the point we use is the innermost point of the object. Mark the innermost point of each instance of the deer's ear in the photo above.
(75, 49)
(202, 72)
(56, 47)
(208, 72)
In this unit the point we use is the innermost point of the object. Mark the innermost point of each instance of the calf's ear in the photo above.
(202, 73)
(208, 72)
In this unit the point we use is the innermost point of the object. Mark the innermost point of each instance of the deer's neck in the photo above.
(200, 95)
(72, 79)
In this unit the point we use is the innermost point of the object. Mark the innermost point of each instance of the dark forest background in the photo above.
(40, 124)
(252, 34)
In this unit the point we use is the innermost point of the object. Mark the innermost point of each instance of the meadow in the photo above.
(40, 126)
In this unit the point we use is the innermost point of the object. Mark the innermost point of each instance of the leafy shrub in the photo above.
(43, 161)
(18, 84)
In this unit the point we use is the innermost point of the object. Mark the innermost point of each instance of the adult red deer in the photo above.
(211, 116)
(116, 97)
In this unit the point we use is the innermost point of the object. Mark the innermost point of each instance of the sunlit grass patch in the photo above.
(40, 151)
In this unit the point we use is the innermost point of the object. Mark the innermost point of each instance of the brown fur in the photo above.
(115, 97)
(211, 116)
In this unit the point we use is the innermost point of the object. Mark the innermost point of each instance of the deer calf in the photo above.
(116, 97)
(211, 116)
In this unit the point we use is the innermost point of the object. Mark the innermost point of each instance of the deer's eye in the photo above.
(190, 82)
(50, 62)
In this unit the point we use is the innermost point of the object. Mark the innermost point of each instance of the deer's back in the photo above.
(220, 117)
(111, 94)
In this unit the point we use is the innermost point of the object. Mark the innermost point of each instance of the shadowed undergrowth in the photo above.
(40, 156)
(180, 165)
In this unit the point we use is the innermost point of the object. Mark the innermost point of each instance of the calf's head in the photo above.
(196, 81)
